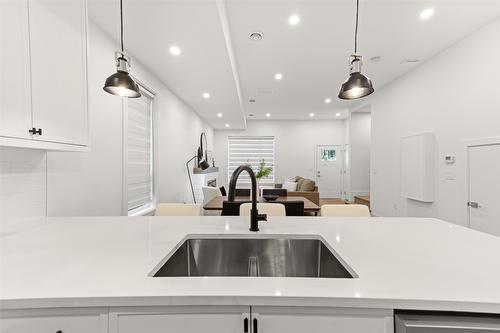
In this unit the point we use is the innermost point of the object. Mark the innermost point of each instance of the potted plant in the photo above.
(262, 172)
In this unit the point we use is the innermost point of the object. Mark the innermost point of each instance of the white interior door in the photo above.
(484, 188)
(329, 171)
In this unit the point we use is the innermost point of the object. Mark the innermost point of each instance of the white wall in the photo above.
(456, 96)
(295, 144)
(359, 141)
(178, 130)
(91, 183)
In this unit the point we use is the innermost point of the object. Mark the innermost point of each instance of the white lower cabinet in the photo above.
(319, 320)
(187, 319)
(251, 320)
(197, 319)
(54, 321)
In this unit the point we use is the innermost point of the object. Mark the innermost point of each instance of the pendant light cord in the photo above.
(356, 31)
(121, 24)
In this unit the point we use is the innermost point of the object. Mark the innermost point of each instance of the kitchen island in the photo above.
(100, 269)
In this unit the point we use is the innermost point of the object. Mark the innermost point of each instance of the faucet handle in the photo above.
(261, 217)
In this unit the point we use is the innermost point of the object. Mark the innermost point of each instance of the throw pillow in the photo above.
(307, 185)
(289, 186)
(293, 179)
(299, 184)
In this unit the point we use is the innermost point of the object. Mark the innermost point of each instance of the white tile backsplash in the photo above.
(23, 188)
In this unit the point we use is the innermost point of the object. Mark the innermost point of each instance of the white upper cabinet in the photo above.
(15, 99)
(44, 53)
(59, 70)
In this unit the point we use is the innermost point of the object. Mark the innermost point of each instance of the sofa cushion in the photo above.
(307, 185)
(289, 186)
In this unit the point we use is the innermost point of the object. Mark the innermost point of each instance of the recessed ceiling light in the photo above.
(278, 76)
(294, 19)
(219, 115)
(337, 114)
(268, 115)
(227, 125)
(206, 95)
(175, 50)
(311, 114)
(328, 100)
(426, 13)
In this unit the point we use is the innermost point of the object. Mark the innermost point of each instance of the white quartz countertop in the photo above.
(402, 263)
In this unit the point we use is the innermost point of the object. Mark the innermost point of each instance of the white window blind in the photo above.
(140, 153)
(250, 150)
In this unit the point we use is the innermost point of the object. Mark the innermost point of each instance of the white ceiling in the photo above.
(218, 57)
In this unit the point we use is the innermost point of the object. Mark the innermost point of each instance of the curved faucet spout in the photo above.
(255, 217)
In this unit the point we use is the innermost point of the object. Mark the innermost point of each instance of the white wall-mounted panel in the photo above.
(417, 167)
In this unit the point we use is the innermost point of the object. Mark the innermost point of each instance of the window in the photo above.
(250, 150)
(139, 154)
(328, 155)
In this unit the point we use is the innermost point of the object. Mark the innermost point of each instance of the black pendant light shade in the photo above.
(356, 85)
(121, 83)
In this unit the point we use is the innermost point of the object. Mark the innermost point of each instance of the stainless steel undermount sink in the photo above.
(272, 257)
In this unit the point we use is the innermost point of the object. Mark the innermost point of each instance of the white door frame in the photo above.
(343, 147)
(488, 141)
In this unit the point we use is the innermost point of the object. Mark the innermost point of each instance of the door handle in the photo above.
(35, 131)
(473, 204)
(245, 325)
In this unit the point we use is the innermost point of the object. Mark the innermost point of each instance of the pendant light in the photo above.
(356, 85)
(121, 83)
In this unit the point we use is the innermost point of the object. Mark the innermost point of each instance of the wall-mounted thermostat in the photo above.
(449, 159)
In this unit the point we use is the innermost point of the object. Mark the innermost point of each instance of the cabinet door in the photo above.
(46, 322)
(59, 69)
(319, 320)
(15, 99)
(415, 322)
(190, 319)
